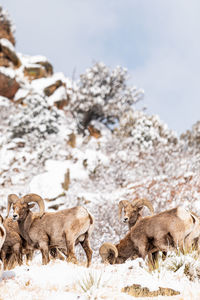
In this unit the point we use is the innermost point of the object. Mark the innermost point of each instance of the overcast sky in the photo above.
(157, 41)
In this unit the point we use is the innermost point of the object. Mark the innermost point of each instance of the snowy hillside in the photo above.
(84, 143)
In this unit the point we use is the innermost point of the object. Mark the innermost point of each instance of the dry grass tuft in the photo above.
(136, 290)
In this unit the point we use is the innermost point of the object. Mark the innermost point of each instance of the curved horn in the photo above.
(35, 198)
(1, 219)
(143, 202)
(121, 205)
(12, 198)
(108, 252)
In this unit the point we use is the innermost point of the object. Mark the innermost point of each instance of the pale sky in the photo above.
(157, 41)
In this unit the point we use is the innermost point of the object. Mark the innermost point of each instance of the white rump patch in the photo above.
(182, 213)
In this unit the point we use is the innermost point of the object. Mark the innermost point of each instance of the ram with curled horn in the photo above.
(165, 231)
(52, 230)
(132, 210)
(2, 240)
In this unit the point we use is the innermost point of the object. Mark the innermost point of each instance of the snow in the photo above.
(136, 156)
(31, 60)
(59, 94)
(40, 84)
(49, 185)
(21, 93)
(66, 281)
(4, 101)
(8, 72)
(6, 43)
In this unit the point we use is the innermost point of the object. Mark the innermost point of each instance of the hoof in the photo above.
(72, 260)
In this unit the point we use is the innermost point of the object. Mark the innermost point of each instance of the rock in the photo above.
(4, 61)
(136, 290)
(56, 206)
(66, 182)
(61, 103)
(8, 86)
(49, 90)
(6, 28)
(72, 140)
(48, 67)
(57, 94)
(9, 53)
(94, 131)
(35, 72)
(7, 35)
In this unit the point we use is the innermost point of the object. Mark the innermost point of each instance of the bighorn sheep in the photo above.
(2, 232)
(2, 240)
(192, 241)
(14, 246)
(161, 232)
(132, 210)
(46, 230)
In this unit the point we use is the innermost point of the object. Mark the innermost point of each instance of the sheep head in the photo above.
(127, 207)
(132, 209)
(108, 253)
(22, 205)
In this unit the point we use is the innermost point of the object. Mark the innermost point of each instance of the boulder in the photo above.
(8, 86)
(49, 90)
(9, 52)
(4, 34)
(4, 61)
(61, 103)
(6, 27)
(35, 72)
(48, 67)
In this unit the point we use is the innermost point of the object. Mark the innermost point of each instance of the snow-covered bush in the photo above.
(192, 137)
(146, 130)
(103, 94)
(35, 119)
(185, 264)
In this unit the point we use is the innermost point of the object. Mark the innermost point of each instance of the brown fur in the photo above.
(2, 240)
(14, 246)
(193, 239)
(62, 229)
(161, 232)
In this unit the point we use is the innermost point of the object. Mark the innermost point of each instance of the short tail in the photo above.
(91, 228)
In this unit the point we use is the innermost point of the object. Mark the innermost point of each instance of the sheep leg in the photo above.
(70, 253)
(11, 261)
(18, 253)
(142, 251)
(88, 251)
(45, 252)
(64, 251)
(56, 254)
(29, 255)
(153, 256)
(3, 258)
(70, 243)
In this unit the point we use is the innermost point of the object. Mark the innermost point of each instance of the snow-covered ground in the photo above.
(62, 280)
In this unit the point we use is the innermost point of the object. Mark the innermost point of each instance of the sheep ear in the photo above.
(31, 205)
(139, 208)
